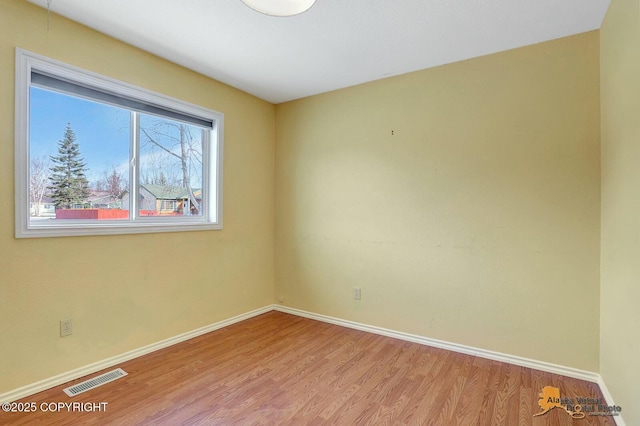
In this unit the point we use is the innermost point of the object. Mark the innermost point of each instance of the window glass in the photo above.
(170, 167)
(78, 158)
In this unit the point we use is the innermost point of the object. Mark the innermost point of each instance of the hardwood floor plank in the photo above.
(282, 369)
(470, 402)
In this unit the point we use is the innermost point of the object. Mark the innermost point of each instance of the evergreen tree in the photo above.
(69, 184)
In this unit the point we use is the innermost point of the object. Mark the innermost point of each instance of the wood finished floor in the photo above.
(279, 369)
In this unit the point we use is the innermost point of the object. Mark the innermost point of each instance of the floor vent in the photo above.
(95, 382)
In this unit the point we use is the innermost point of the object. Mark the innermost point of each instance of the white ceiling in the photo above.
(336, 44)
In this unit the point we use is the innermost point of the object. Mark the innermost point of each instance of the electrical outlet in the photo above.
(66, 327)
(356, 293)
(281, 300)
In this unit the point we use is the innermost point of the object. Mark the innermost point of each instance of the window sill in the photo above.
(82, 229)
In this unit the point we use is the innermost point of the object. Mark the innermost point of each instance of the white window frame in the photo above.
(211, 218)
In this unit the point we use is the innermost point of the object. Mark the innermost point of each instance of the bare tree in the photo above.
(177, 142)
(39, 173)
(157, 169)
(115, 183)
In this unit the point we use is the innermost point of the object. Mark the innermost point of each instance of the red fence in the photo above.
(105, 214)
(99, 214)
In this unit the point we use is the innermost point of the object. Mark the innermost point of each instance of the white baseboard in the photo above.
(455, 347)
(469, 350)
(607, 397)
(40, 386)
(49, 383)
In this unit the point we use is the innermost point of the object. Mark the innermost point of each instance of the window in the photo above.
(99, 156)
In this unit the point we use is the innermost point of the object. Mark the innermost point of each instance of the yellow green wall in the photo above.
(464, 200)
(124, 292)
(620, 274)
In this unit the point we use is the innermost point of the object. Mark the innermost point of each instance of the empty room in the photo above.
(300, 212)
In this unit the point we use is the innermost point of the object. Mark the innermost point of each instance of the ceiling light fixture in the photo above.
(280, 7)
